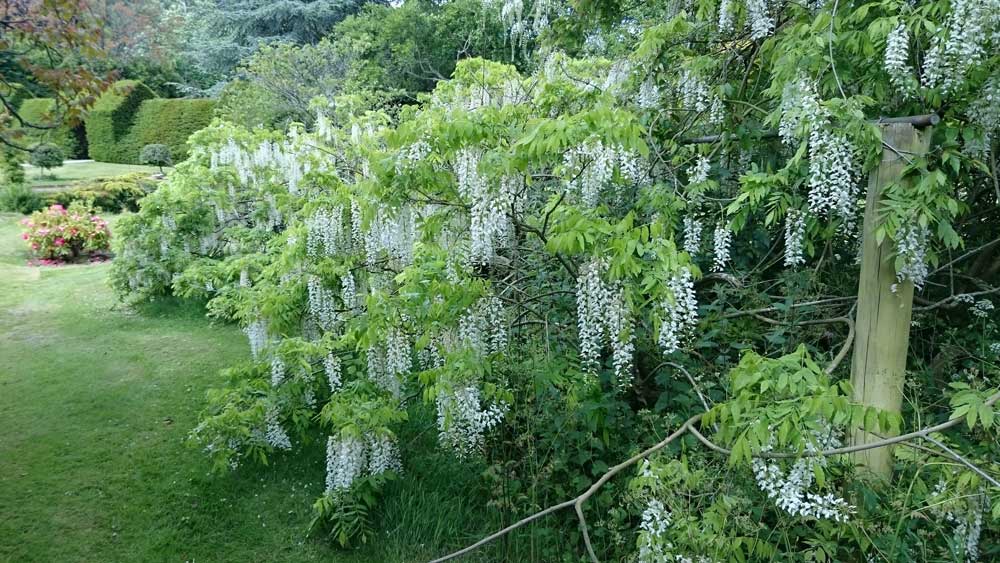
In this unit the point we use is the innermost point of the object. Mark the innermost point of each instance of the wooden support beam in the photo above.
(885, 306)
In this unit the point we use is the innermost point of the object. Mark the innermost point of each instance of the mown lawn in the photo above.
(95, 403)
(76, 171)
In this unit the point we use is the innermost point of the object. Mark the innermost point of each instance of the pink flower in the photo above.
(34, 246)
(26, 221)
(24, 236)
(43, 232)
(59, 242)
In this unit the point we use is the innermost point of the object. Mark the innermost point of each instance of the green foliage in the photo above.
(47, 156)
(40, 112)
(66, 233)
(112, 195)
(110, 120)
(157, 155)
(19, 198)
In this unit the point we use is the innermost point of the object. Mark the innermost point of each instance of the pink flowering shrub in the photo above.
(61, 233)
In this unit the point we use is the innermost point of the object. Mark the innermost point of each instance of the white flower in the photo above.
(795, 229)
(911, 246)
(322, 304)
(463, 419)
(897, 49)
(692, 236)
(982, 308)
(275, 434)
(679, 314)
(649, 95)
(725, 16)
(257, 335)
(345, 462)
(331, 365)
(760, 20)
(723, 238)
(698, 173)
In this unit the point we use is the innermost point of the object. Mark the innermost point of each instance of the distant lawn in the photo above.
(76, 171)
(95, 404)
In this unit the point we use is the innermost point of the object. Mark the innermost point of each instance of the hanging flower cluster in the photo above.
(760, 20)
(274, 433)
(961, 47)
(795, 230)
(349, 458)
(590, 168)
(484, 327)
(692, 235)
(325, 233)
(490, 209)
(679, 312)
(790, 489)
(723, 239)
(332, 368)
(322, 304)
(698, 173)
(257, 335)
(911, 248)
(463, 419)
(897, 53)
(965, 513)
(694, 91)
(602, 316)
(649, 95)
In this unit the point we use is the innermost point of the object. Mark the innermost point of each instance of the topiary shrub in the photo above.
(47, 156)
(156, 155)
(66, 234)
(71, 138)
(168, 122)
(110, 119)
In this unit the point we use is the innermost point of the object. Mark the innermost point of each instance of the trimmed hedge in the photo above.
(168, 122)
(110, 119)
(71, 139)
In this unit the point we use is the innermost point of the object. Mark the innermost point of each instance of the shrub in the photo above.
(19, 198)
(61, 233)
(168, 122)
(69, 137)
(110, 119)
(155, 154)
(109, 194)
(47, 156)
(11, 171)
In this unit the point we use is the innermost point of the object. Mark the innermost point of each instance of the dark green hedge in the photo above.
(111, 118)
(69, 138)
(169, 122)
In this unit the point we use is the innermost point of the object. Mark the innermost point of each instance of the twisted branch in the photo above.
(689, 426)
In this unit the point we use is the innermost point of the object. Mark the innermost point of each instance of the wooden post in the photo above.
(884, 306)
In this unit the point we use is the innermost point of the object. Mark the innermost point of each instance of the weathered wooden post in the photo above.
(884, 306)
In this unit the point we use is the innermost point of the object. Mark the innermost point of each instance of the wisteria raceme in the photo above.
(965, 513)
(692, 236)
(463, 419)
(725, 16)
(325, 233)
(911, 247)
(694, 92)
(414, 153)
(332, 367)
(653, 527)
(391, 233)
(322, 304)
(257, 335)
(800, 110)
(490, 222)
(397, 353)
(833, 186)
(759, 19)
(602, 315)
(897, 52)
(277, 371)
(345, 462)
(619, 73)
(963, 45)
(649, 95)
(383, 455)
(349, 292)
(484, 326)
(679, 312)
(790, 490)
(590, 167)
(723, 238)
(795, 230)
(698, 173)
(274, 433)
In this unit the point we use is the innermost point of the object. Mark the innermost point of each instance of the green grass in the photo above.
(95, 403)
(75, 172)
